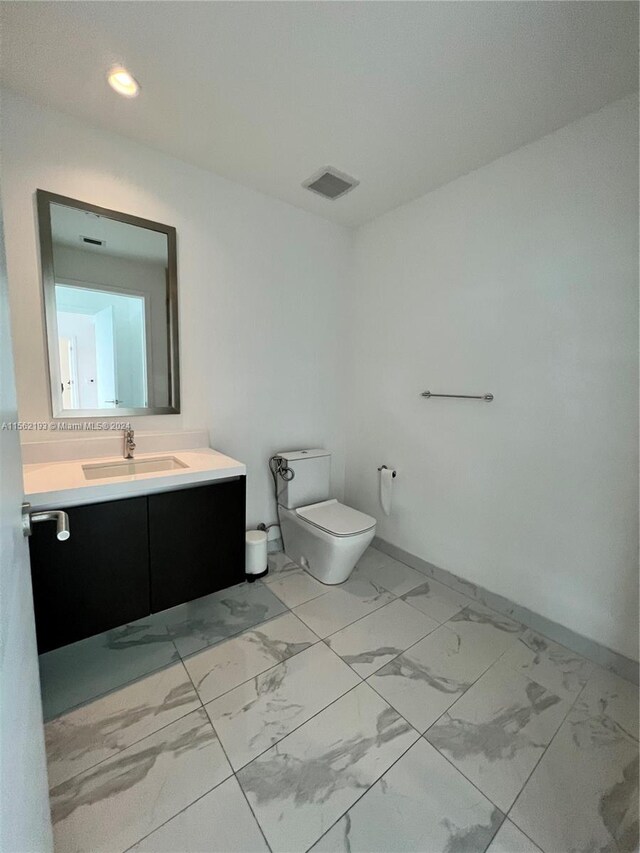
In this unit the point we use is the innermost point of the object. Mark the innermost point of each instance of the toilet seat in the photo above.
(336, 518)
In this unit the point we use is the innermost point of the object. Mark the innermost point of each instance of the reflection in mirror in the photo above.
(111, 310)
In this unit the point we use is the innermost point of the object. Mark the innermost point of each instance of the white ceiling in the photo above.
(404, 96)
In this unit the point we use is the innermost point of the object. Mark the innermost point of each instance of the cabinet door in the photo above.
(196, 542)
(97, 579)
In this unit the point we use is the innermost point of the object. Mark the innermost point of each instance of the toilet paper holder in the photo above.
(386, 467)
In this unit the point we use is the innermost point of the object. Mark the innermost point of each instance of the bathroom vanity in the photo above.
(150, 530)
(140, 542)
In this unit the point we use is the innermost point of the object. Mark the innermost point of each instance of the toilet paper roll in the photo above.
(386, 480)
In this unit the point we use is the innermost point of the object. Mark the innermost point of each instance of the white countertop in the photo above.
(56, 485)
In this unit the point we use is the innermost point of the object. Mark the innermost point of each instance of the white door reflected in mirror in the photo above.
(104, 358)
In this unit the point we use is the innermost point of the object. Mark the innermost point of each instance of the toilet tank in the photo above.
(312, 478)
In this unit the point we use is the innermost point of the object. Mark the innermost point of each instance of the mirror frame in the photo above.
(44, 200)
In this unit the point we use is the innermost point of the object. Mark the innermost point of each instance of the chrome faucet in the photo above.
(129, 444)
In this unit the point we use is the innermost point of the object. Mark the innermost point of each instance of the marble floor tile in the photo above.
(436, 600)
(212, 618)
(294, 588)
(224, 666)
(259, 713)
(301, 786)
(433, 674)
(421, 804)
(387, 572)
(562, 671)
(509, 839)
(219, 822)
(372, 558)
(487, 627)
(116, 803)
(374, 640)
(609, 695)
(278, 564)
(496, 733)
(91, 733)
(583, 795)
(74, 674)
(342, 605)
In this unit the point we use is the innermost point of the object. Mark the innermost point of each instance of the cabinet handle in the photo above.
(61, 519)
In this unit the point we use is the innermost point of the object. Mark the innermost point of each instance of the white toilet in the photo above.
(325, 536)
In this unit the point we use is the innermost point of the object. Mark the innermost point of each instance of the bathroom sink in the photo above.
(132, 466)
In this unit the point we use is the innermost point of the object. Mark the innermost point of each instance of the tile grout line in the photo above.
(508, 811)
(258, 674)
(299, 571)
(138, 740)
(179, 661)
(176, 658)
(215, 787)
(446, 711)
(395, 657)
(476, 600)
(169, 819)
(388, 603)
(84, 702)
(413, 645)
(375, 609)
(422, 736)
(133, 743)
(262, 671)
(233, 771)
(302, 723)
(544, 752)
(476, 597)
(232, 636)
(372, 785)
(334, 652)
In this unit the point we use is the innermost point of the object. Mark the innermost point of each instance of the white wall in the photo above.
(519, 279)
(261, 290)
(25, 820)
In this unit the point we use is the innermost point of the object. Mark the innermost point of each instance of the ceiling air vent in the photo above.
(330, 183)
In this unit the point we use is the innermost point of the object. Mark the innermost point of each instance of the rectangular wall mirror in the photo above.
(111, 310)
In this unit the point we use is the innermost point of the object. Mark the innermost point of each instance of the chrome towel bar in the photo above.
(486, 397)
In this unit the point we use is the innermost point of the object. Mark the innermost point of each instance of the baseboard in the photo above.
(603, 656)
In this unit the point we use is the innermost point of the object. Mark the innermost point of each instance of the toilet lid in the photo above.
(336, 518)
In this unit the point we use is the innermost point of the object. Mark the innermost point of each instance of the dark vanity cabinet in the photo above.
(128, 558)
(97, 579)
(196, 542)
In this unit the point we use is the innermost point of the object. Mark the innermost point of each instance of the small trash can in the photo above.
(255, 555)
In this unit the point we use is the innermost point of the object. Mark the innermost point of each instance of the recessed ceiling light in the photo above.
(123, 83)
